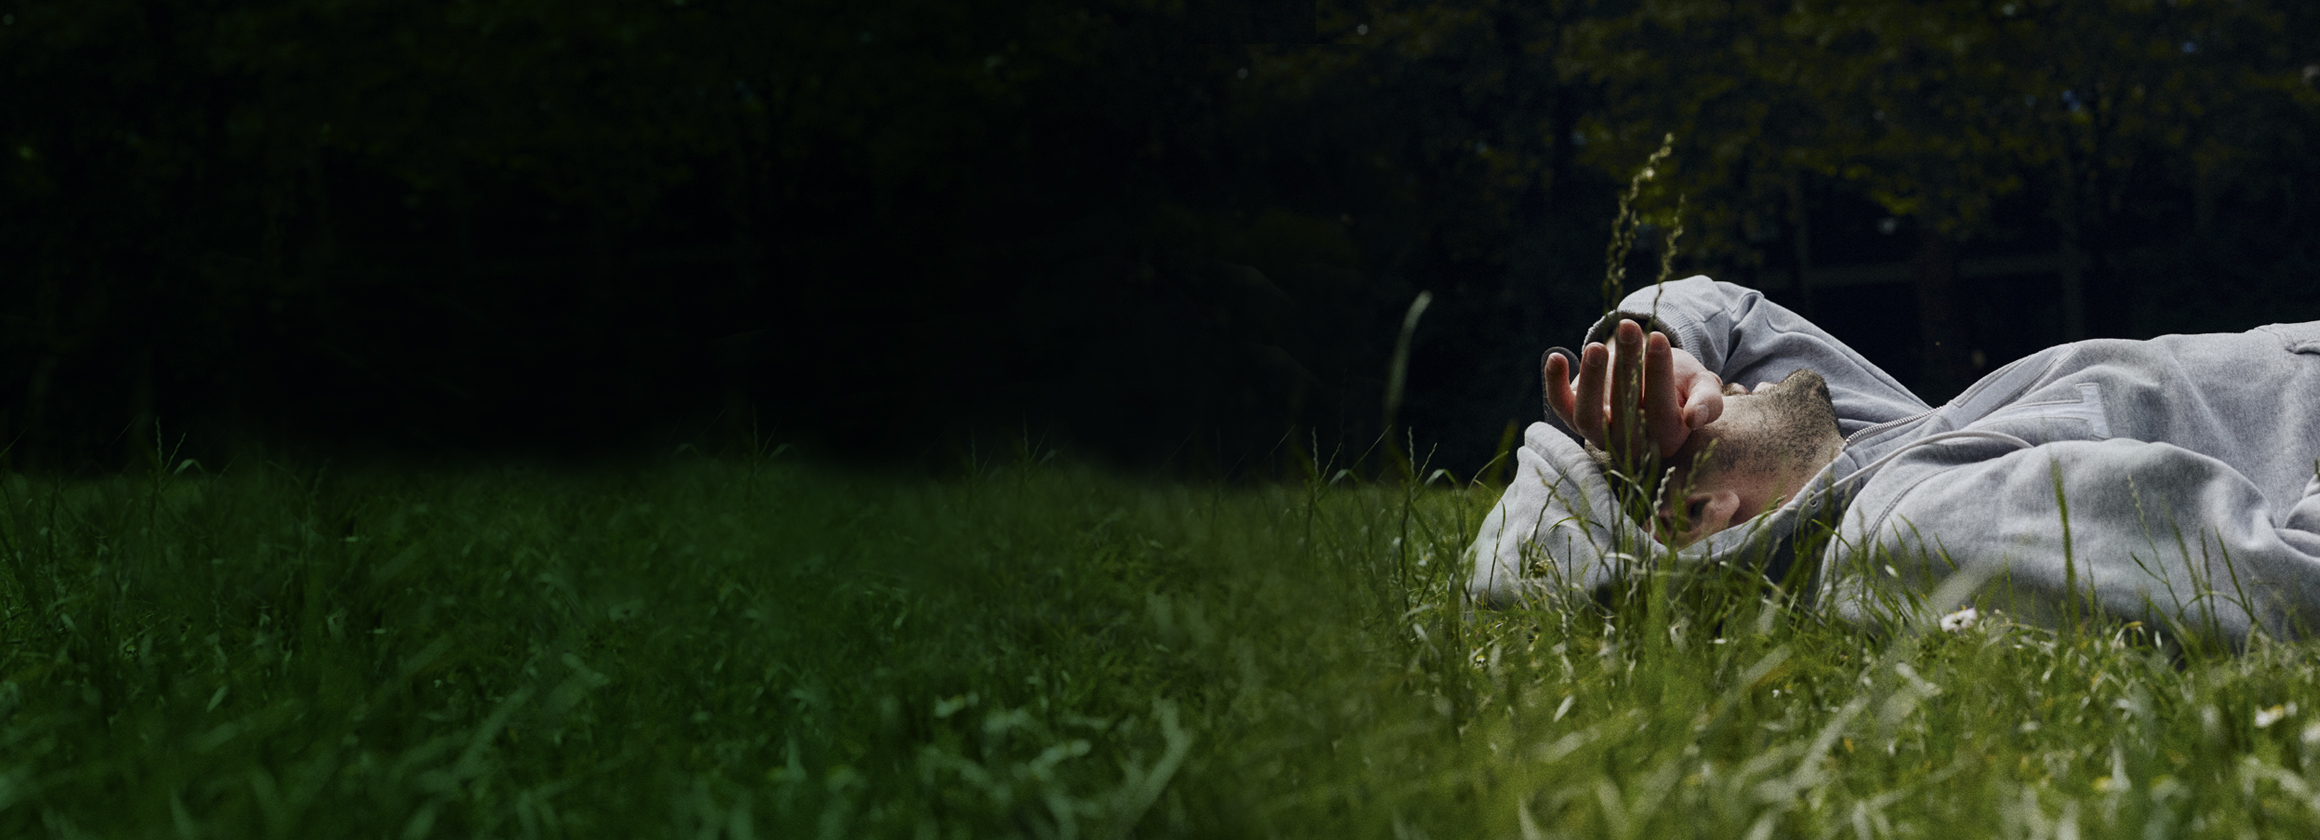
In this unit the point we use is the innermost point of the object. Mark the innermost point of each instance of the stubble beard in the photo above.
(1800, 419)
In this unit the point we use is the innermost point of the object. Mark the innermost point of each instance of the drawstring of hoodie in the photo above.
(1864, 472)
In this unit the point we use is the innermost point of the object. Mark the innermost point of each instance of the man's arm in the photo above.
(1740, 336)
(2146, 531)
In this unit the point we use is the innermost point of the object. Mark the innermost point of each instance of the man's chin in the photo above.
(1804, 392)
(1802, 378)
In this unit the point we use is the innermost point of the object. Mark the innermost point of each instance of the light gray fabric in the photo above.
(1561, 533)
(2189, 467)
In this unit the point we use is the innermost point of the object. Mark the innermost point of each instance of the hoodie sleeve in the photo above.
(1748, 339)
(1554, 530)
(2145, 531)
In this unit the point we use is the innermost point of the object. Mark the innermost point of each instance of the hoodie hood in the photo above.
(1559, 530)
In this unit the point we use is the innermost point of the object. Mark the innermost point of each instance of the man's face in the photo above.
(1756, 456)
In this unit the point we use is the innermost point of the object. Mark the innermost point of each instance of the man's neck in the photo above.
(1796, 482)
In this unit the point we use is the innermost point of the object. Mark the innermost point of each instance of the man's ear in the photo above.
(1722, 509)
(1703, 512)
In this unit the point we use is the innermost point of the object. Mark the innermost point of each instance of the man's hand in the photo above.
(1673, 391)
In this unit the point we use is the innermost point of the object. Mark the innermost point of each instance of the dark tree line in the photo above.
(913, 230)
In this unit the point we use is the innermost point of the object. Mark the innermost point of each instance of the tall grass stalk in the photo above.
(1625, 224)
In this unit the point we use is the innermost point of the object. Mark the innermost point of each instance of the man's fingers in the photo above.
(1702, 391)
(1705, 403)
(1626, 381)
(1557, 377)
(1663, 426)
(1587, 413)
(1636, 396)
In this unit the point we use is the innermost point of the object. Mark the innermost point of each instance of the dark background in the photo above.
(1179, 237)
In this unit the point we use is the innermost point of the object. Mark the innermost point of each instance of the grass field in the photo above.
(774, 650)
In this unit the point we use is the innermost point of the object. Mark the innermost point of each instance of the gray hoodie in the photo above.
(2174, 482)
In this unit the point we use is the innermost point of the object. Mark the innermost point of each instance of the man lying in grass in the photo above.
(2174, 481)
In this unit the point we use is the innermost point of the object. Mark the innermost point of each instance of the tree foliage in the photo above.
(904, 223)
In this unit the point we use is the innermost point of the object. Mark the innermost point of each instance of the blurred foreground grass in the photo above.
(776, 650)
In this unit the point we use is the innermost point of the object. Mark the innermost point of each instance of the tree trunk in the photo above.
(144, 445)
(1800, 235)
(2204, 198)
(2073, 287)
(2067, 216)
(35, 432)
(1942, 350)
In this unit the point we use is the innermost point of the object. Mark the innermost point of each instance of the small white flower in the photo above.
(1960, 621)
(2267, 717)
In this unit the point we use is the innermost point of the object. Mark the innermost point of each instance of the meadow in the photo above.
(764, 648)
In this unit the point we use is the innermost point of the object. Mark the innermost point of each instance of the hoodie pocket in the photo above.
(2297, 338)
